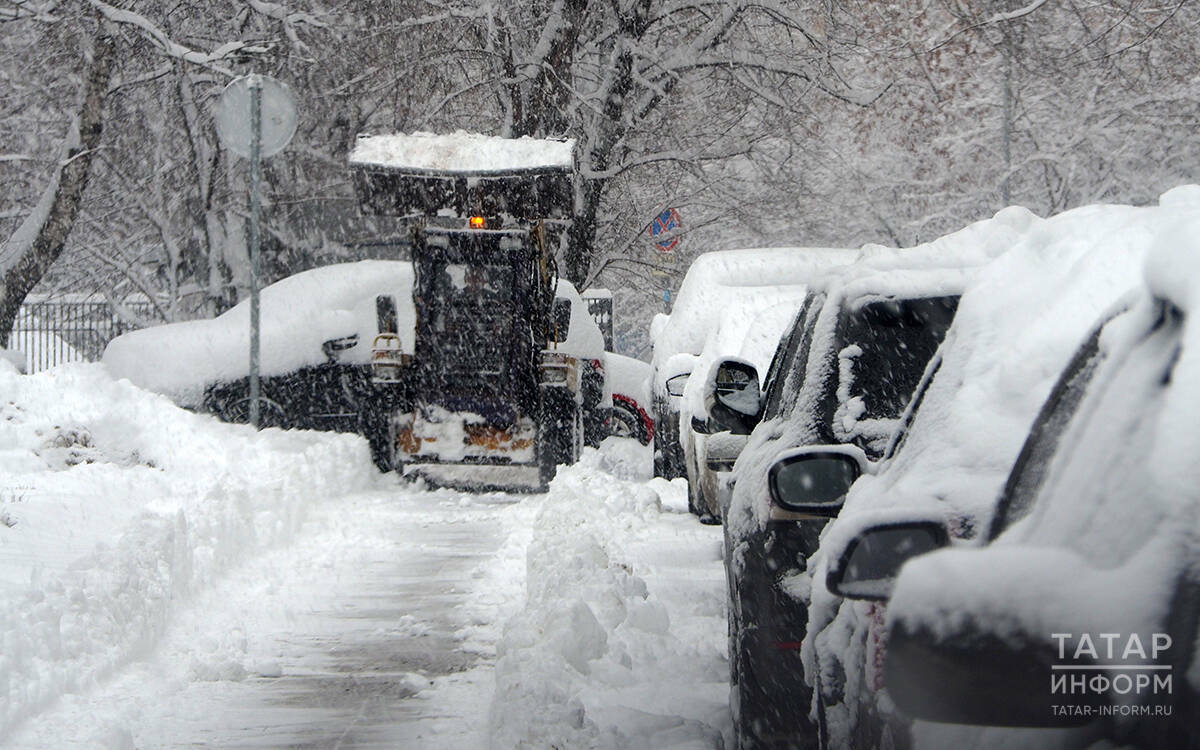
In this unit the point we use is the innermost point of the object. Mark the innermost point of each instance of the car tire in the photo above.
(628, 423)
(270, 412)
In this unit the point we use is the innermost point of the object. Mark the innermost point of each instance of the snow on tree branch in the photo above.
(171, 48)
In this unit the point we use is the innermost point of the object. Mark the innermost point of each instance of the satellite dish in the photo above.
(278, 116)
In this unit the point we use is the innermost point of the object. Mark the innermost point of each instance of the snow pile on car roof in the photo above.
(116, 507)
(713, 278)
(461, 152)
(297, 315)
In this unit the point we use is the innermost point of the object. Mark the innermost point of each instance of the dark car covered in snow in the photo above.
(323, 332)
(958, 441)
(1072, 620)
(319, 330)
(844, 376)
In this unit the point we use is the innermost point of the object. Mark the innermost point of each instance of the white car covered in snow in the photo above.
(1016, 327)
(719, 298)
(1076, 614)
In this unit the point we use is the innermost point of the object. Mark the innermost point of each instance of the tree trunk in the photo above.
(40, 239)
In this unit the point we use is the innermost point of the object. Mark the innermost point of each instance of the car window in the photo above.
(884, 347)
(784, 387)
(1029, 471)
(910, 413)
(786, 347)
(1031, 468)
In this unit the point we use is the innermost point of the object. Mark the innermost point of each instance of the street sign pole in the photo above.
(255, 167)
(255, 119)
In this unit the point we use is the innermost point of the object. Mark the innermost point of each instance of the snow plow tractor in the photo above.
(490, 399)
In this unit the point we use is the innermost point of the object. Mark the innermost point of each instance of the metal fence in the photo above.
(51, 333)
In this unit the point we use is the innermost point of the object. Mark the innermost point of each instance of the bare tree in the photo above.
(41, 237)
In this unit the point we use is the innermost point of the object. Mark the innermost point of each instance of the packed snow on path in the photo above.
(169, 581)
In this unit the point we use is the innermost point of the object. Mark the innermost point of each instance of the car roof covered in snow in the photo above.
(714, 278)
(297, 315)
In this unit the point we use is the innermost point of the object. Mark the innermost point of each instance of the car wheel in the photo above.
(270, 412)
(627, 423)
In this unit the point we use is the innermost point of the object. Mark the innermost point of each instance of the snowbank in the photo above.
(297, 315)
(620, 643)
(461, 152)
(118, 506)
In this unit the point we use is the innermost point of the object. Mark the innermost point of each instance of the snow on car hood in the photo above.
(297, 315)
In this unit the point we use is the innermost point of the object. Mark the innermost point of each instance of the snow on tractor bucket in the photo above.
(463, 175)
(481, 398)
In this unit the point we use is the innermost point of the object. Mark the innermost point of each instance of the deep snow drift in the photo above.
(116, 505)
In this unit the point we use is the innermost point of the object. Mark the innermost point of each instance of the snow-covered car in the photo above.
(317, 333)
(721, 292)
(629, 381)
(961, 436)
(1077, 614)
(667, 382)
(846, 371)
(751, 330)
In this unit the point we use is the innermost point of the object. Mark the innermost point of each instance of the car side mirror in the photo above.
(675, 384)
(334, 347)
(868, 566)
(965, 676)
(733, 396)
(814, 480)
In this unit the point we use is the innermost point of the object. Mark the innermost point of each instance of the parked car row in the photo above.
(885, 427)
